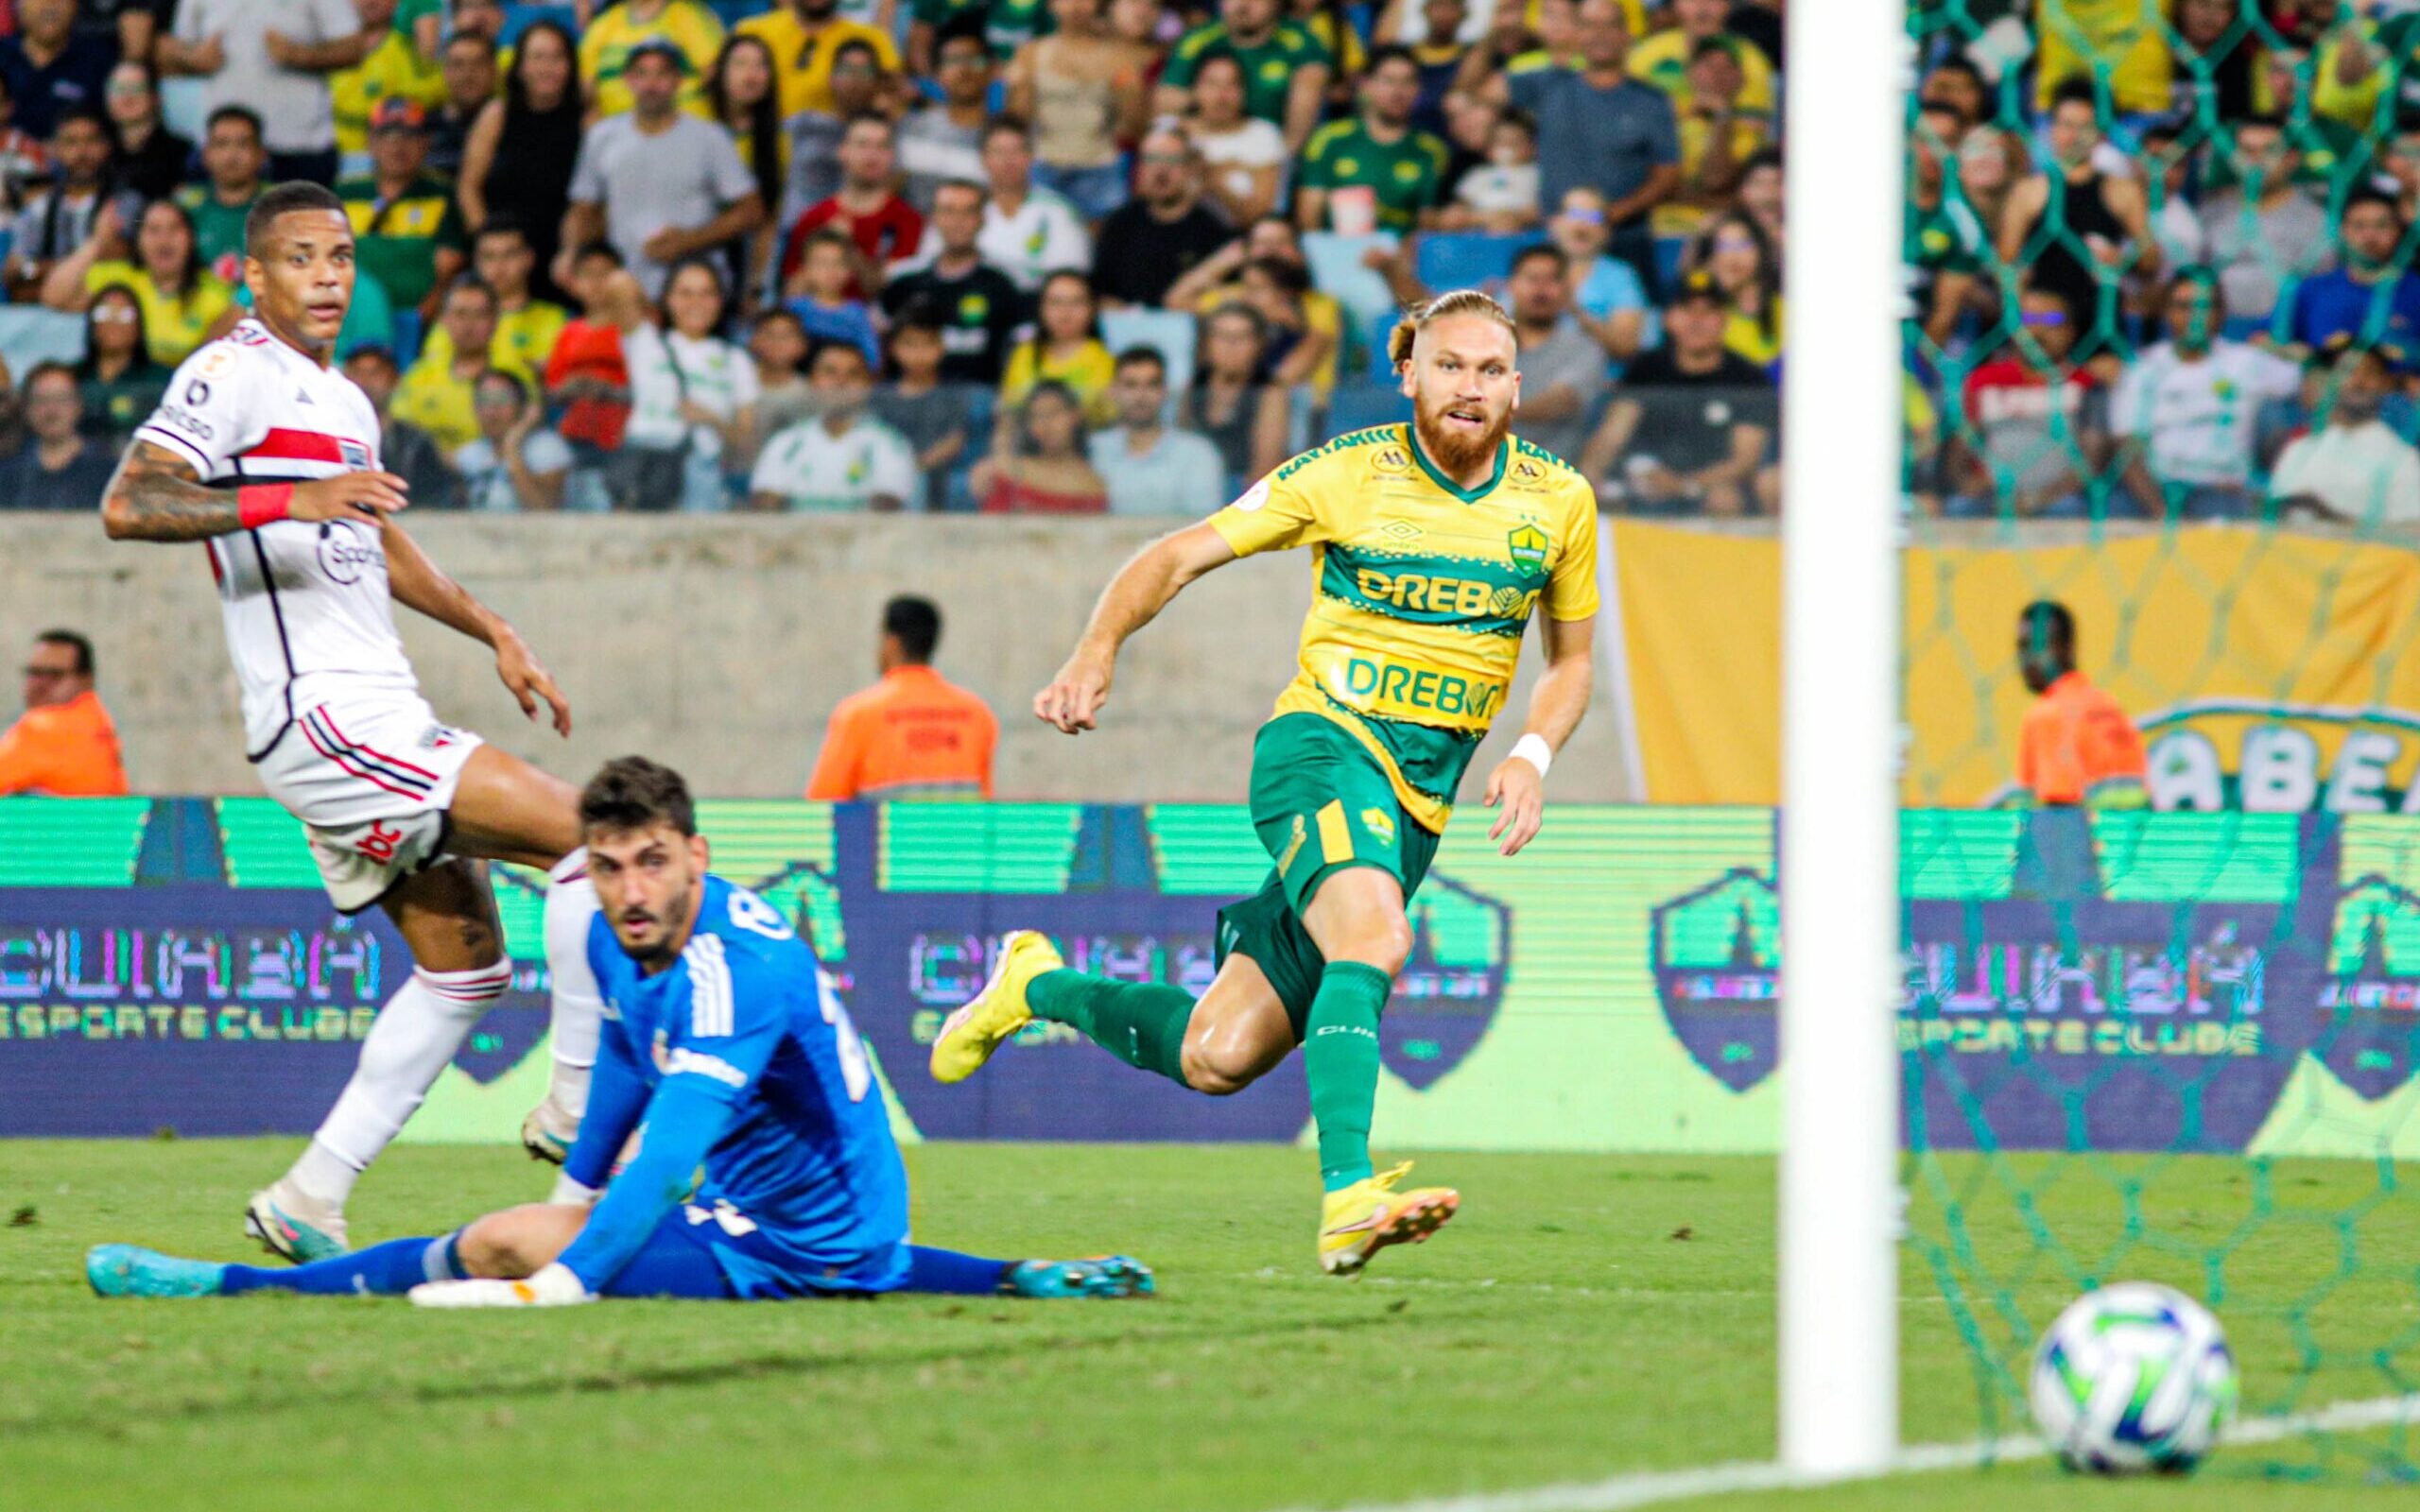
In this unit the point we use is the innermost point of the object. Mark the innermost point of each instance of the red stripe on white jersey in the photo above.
(280, 444)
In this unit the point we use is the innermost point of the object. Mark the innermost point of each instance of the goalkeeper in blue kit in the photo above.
(723, 1048)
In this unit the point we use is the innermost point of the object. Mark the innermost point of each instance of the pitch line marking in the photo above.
(1657, 1487)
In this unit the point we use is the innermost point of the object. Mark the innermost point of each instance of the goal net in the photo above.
(2157, 1022)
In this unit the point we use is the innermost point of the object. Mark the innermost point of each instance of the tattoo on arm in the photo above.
(158, 495)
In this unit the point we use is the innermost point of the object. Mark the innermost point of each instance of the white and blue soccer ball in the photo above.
(2133, 1378)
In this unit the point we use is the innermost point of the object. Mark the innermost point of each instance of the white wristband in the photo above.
(1534, 750)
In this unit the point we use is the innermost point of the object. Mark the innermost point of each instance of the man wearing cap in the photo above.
(2351, 466)
(1688, 430)
(657, 183)
(407, 234)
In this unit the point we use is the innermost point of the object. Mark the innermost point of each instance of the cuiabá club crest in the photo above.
(1717, 951)
(920, 941)
(2151, 1007)
(2370, 1005)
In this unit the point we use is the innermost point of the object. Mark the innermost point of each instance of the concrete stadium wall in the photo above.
(721, 644)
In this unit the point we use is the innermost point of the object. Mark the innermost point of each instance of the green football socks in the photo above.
(1142, 1024)
(1340, 1055)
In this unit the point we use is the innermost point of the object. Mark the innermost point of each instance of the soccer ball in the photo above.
(2134, 1377)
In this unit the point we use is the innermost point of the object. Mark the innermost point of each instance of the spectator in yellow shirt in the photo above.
(439, 393)
(1733, 249)
(1718, 134)
(183, 303)
(525, 326)
(606, 44)
(1066, 346)
(394, 68)
(1661, 59)
(805, 36)
(2126, 39)
(65, 745)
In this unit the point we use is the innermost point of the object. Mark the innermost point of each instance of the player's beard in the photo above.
(1456, 450)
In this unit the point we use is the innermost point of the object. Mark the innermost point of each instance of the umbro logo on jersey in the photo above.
(301, 396)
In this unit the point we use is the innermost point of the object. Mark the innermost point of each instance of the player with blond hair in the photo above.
(1430, 545)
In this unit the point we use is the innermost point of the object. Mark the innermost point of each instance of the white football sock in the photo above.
(568, 1193)
(571, 902)
(409, 1042)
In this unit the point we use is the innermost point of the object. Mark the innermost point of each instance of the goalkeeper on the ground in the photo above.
(724, 1048)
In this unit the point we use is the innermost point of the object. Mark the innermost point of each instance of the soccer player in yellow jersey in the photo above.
(1430, 545)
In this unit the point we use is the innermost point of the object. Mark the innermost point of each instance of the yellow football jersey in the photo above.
(1421, 591)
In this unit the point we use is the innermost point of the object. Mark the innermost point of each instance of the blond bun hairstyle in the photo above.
(1455, 301)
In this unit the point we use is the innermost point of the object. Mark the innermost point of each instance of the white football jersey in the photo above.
(306, 606)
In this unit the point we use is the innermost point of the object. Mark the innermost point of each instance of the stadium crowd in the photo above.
(1126, 255)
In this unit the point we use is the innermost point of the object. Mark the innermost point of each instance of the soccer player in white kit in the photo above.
(268, 456)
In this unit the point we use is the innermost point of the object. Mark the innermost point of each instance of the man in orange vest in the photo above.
(913, 734)
(64, 744)
(2076, 747)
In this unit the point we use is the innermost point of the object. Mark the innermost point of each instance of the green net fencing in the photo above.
(2162, 337)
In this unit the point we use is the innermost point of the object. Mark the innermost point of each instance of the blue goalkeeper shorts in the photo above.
(717, 1254)
(676, 1261)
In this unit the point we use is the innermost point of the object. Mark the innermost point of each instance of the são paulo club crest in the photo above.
(1717, 951)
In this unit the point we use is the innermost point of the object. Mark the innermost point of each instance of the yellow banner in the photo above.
(2267, 671)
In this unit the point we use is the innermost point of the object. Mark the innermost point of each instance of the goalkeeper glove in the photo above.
(555, 1286)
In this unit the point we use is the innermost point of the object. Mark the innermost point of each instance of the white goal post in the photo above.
(1849, 74)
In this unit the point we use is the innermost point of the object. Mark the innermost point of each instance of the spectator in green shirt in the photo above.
(233, 157)
(407, 232)
(1378, 155)
(1285, 68)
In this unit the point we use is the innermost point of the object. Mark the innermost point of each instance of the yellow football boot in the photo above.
(970, 1035)
(1367, 1217)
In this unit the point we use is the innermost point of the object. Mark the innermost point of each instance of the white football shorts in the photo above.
(370, 779)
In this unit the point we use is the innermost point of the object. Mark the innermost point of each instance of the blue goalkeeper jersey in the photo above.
(742, 1053)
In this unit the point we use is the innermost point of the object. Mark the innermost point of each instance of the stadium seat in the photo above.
(184, 107)
(1338, 271)
(407, 335)
(1361, 406)
(29, 334)
(518, 17)
(1669, 250)
(1168, 331)
(1378, 333)
(1466, 259)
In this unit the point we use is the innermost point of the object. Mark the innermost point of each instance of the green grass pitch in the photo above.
(1585, 1317)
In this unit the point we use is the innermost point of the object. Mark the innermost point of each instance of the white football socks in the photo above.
(571, 902)
(409, 1042)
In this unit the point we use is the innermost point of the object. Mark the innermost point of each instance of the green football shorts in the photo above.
(1321, 803)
